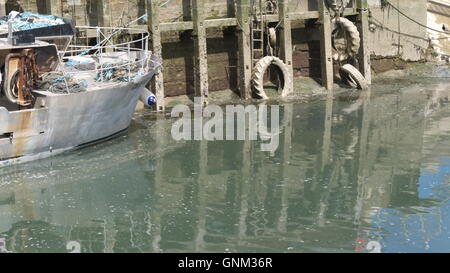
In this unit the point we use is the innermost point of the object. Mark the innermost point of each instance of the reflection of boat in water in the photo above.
(55, 101)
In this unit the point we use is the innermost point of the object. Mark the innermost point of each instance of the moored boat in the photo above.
(54, 99)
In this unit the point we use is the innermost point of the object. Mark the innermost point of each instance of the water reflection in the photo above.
(348, 171)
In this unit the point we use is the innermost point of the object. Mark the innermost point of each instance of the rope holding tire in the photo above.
(353, 36)
(258, 76)
(353, 77)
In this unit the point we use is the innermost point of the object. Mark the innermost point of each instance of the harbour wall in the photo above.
(392, 39)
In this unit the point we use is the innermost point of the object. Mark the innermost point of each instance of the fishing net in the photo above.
(27, 21)
(62, 84)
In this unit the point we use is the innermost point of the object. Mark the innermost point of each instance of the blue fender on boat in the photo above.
(147, 97)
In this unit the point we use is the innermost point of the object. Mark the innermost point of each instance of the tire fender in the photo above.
(353, 77)
(258, 76)
(354, 37)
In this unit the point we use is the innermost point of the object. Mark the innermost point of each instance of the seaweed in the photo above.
(384, 4)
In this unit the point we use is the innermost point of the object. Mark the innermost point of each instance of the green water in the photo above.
(348, 171)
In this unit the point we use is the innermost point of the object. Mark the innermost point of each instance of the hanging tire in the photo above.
(351, 76)
(258, 76)
(351, 35)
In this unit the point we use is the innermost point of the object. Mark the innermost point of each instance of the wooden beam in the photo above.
(286, 40)
(364, 52)
(231, 22)
(326, 46)
(245, 59)
(201, 54)
(156, 48)
(177, 26)
(305, 15)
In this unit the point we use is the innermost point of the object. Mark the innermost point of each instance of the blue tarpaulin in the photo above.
(29, 20)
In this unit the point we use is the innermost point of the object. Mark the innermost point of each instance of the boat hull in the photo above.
(63, 122)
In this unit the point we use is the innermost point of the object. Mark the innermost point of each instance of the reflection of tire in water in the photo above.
(73, 247)
(351, 76)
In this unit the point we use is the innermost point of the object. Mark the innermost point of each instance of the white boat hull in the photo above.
(67, 121)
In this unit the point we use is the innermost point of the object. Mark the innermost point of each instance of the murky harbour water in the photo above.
(351, 174)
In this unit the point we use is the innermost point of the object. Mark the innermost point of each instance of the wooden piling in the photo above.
(286, 39)
(245, 58)
(156, 48)
(107, 16)
(364, 53)
(54, 7)
(326, 46)
(201, 55)
(2, 7)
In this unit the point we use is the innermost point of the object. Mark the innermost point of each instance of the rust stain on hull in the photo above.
(23, 130)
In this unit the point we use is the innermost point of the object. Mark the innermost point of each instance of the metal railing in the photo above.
(135, 59)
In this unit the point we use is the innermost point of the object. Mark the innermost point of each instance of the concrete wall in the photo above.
(395, 35)
(439, 19)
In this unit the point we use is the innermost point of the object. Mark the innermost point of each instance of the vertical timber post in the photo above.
(2, 7)
(106, 9)
(286, 40)
(245, 58)
(156, 48)
(55, 7)
(325, 46)
(364, 53)
(201, 54)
